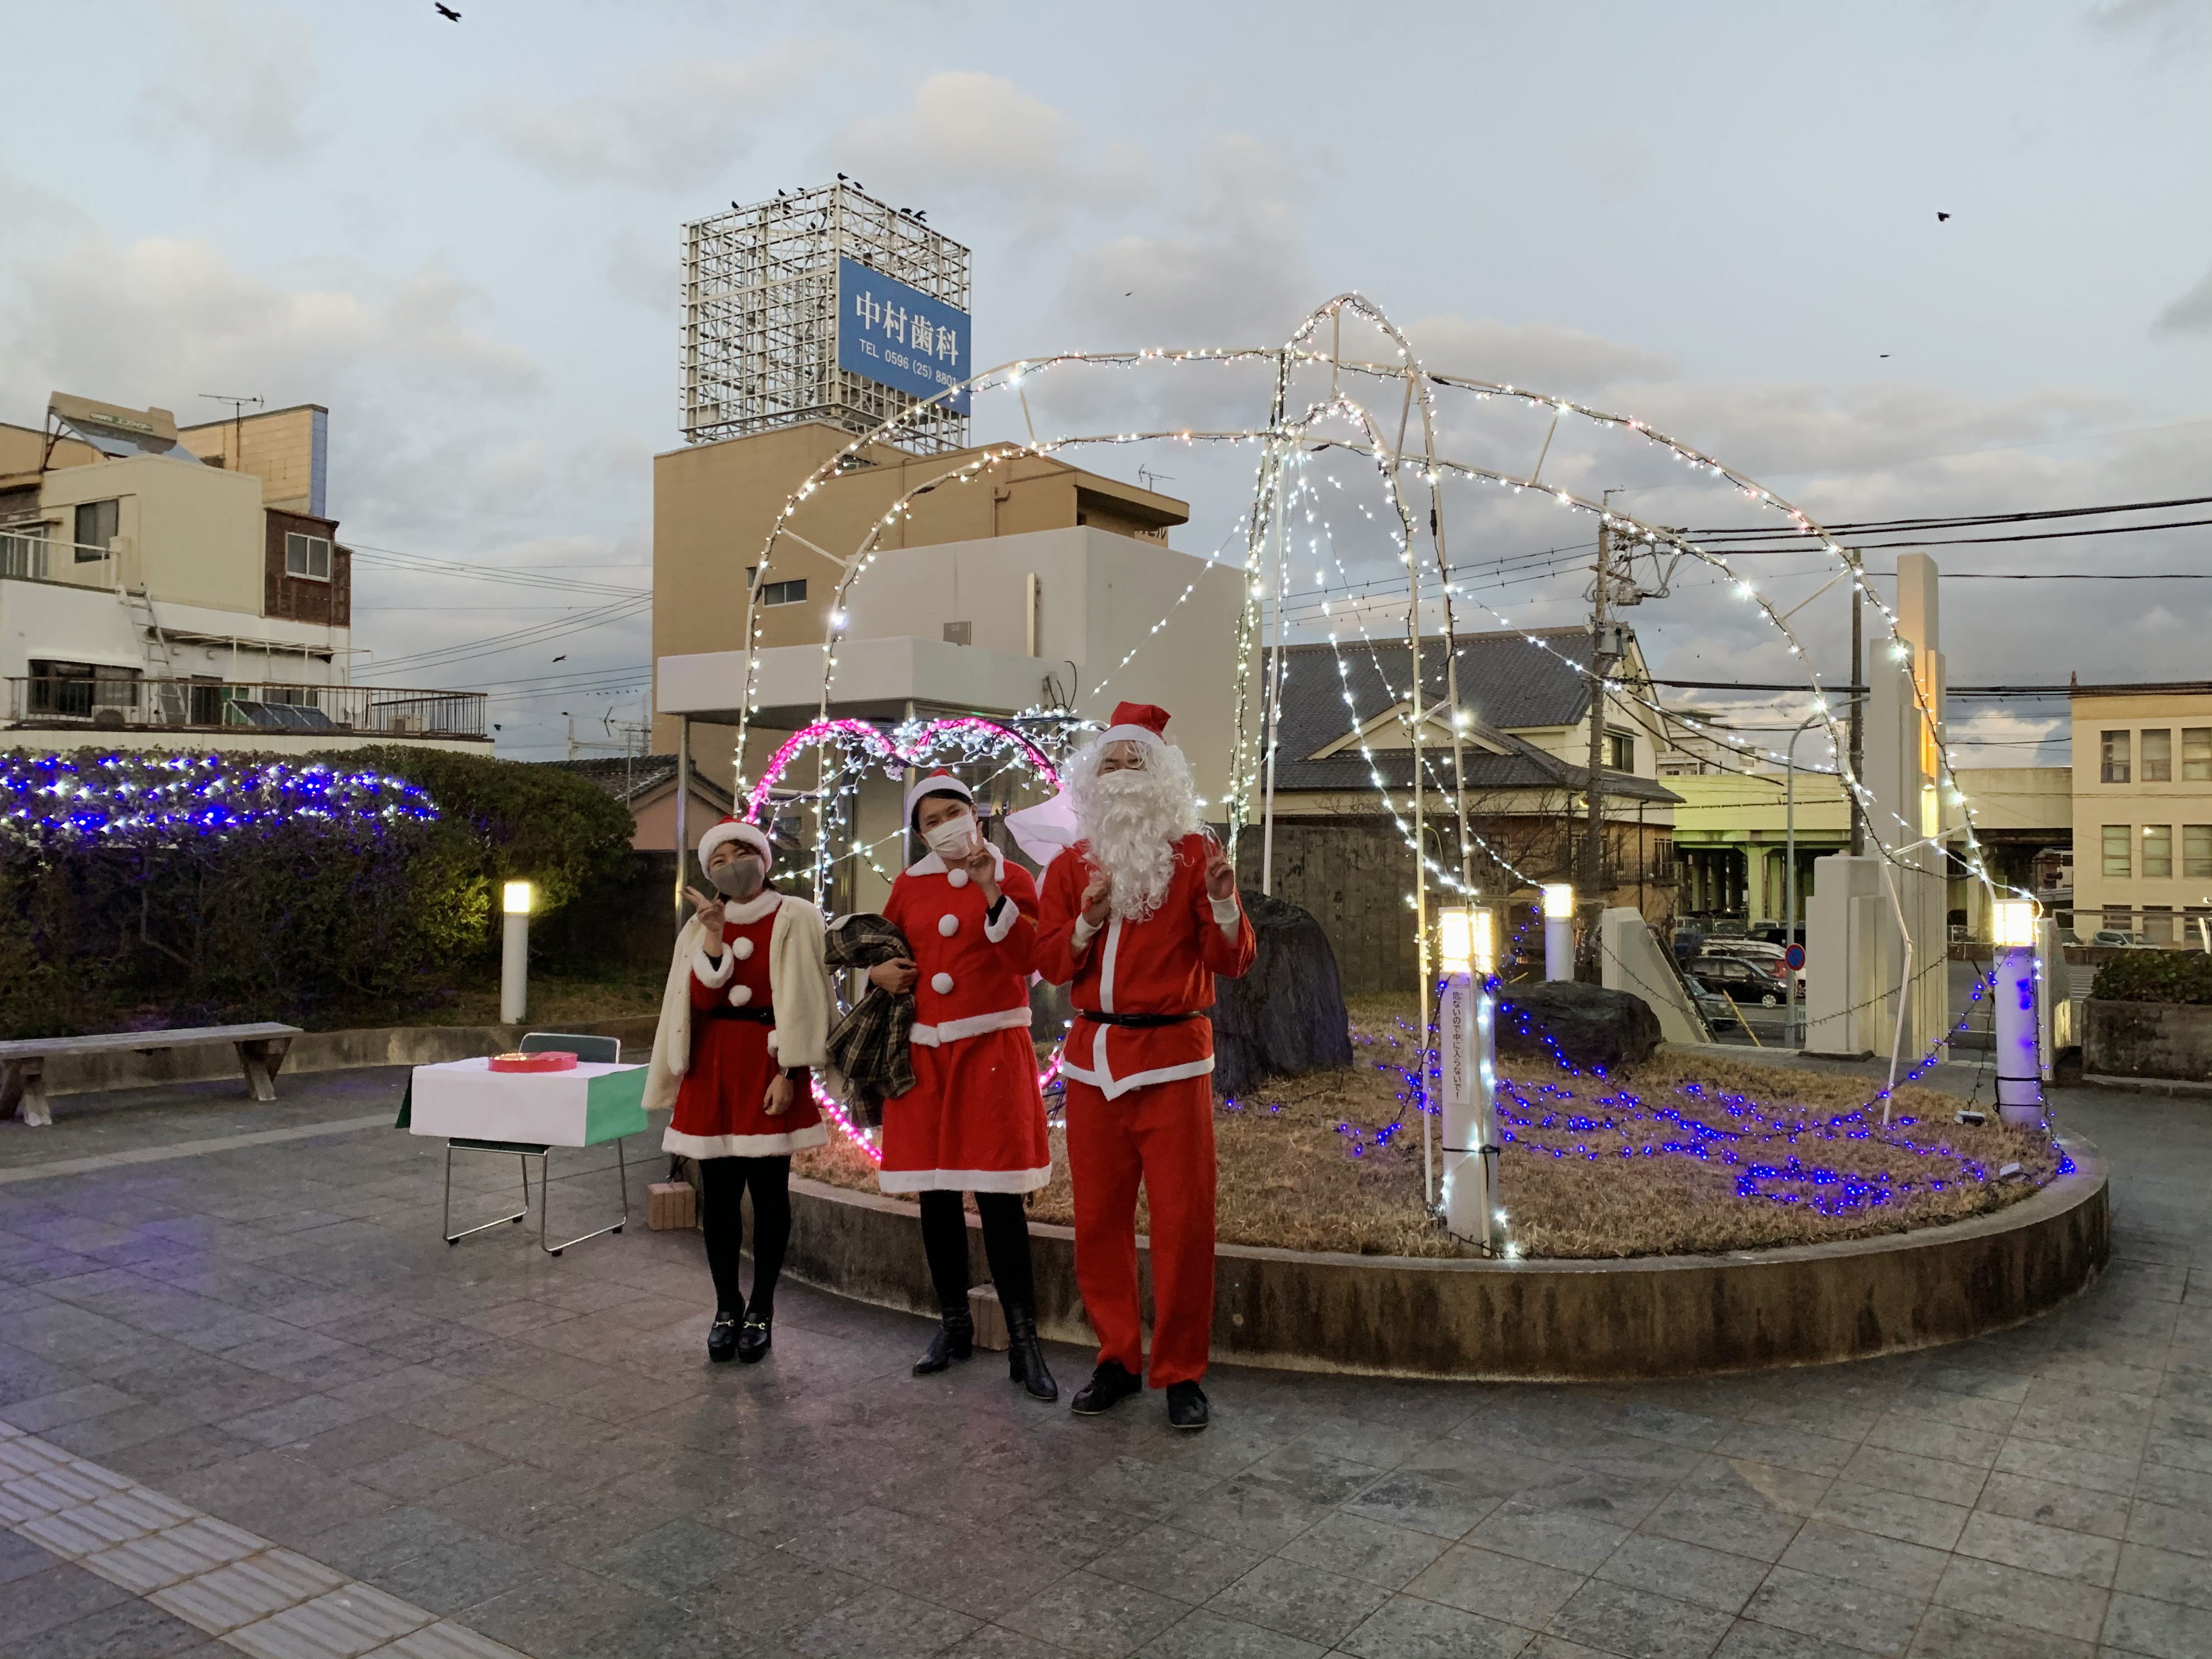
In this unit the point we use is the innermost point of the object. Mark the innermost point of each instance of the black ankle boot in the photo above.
(955, 1339)
(1024, 1359)
(755, 1338)
(722, 1337)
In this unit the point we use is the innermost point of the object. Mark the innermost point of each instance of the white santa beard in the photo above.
(1131, 822)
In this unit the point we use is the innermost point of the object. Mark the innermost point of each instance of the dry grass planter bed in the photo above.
(1578, 1179)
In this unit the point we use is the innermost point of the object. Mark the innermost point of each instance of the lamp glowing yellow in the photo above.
(1558, 898)
(2015, 922)
(1467, 942)
(517, 898)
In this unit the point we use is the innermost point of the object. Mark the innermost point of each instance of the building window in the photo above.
(96, 523)
(307, 555)
(2158, 924)
(790, 592)
(2158, 757)
(2119, 850)
(1620, 751)
(2158, 851)
(1663, 859)
(2197, 754)
(2197, 851)
(2114, 758)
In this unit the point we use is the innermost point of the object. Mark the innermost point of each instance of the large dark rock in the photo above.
(1591, 1025)
(1287, 1014)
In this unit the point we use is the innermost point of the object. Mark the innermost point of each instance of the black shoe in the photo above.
(1110, 1385)
(955, 1339)
(753, 1340)
(722, 1337)
(1024, 1359)
(1187, 1408)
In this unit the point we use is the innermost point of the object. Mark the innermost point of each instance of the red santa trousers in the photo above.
(1163, 1133)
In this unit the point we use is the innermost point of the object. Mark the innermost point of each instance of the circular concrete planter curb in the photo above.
(1539, 1321)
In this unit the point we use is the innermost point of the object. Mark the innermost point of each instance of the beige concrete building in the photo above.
(157, 589)
(2143, 812)
(1031, 584)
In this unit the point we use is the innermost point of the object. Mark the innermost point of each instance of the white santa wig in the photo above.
(1132, 818)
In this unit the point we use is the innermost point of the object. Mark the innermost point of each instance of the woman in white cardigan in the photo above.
(742, 1025)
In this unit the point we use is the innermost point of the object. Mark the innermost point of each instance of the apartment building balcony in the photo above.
(111, 701)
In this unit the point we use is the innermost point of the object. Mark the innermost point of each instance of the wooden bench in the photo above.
(261, 1048)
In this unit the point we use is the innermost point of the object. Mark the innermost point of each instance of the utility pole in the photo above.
(1590, 878)
(1858, 710)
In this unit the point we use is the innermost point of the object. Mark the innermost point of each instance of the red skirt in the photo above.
(719, 1107)
(973, 1122)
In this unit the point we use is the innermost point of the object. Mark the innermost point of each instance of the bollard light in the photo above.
(1467, 946)
(2015, 922)
(1558, 931)
(2016, 1020)
(515, 954)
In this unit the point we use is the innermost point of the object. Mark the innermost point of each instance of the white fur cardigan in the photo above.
(798, 986)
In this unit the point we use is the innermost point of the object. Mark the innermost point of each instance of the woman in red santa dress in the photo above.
(742, 1025)
(974, 1121)
(1140, 915)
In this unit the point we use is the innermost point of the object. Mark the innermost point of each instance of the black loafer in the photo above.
(1110, 1385)
(1187, 1406)
(752, 1342)
(722, 1338)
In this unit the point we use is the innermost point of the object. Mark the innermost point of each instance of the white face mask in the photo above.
(954, 838)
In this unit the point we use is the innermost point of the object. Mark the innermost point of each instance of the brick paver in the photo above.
(269, 1332)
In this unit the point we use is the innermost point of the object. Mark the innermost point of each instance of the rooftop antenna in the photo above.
(238, 407)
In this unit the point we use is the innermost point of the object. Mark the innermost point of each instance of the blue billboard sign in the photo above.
(898, 336)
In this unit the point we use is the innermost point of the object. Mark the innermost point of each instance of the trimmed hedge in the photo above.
(2154, 976)
(141, 890)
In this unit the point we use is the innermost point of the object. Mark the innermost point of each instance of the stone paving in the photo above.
(269, 1333)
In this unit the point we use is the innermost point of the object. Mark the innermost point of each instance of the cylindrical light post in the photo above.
(2016, 1020)
(1466, 1031)
(514, 955)
(1558, 931)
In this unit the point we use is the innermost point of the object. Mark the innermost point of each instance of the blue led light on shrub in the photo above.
(51, 802)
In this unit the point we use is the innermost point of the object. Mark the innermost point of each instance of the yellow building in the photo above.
(174, 587)
(2143, 812)
(1031, 583)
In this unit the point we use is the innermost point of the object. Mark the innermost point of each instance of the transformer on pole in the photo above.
(825, 305)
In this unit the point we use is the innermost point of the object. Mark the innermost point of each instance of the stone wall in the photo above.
(2148, 1039)
(1353, 880)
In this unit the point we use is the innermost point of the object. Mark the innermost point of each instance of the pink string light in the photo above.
(885, 747)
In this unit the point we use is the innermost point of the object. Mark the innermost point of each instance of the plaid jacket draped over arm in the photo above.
(871, 1045)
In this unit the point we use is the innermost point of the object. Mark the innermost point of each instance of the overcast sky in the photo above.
(462, 238)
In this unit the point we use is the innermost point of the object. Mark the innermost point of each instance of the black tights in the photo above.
(1006, 1246)
(723, 1181)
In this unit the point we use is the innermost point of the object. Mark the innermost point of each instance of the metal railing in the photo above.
(109, 699)
(23, 552)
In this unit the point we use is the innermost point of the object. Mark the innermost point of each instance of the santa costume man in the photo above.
(743, 1021)
(974, 1120)
(1140, 915)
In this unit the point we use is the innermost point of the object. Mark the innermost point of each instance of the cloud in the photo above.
(970, 138)
(1545, 356)
(2168, 26)
(668, 128)
(2191, 312)
(244, 82)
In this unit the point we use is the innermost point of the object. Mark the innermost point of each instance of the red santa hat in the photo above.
(937, 783)
(736, 828)
(1137, 722)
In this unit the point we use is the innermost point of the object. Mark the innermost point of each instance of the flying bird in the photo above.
(1885, 353)
(563, 657)
(446, 12)
(1940, 217)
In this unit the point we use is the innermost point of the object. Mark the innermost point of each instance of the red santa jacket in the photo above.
(973, 971)
(1164, 964)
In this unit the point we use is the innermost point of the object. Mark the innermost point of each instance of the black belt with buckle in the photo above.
(1142, 1022)
(756, 1016)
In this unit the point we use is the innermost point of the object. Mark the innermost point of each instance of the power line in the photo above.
(1967, 520)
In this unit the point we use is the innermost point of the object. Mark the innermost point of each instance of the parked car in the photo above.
(1758, 951)
(2119, 938)
(1742, 980)
(1720, 1013)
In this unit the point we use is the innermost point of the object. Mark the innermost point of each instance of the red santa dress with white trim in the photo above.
(720, 1109)
(974, 1120)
